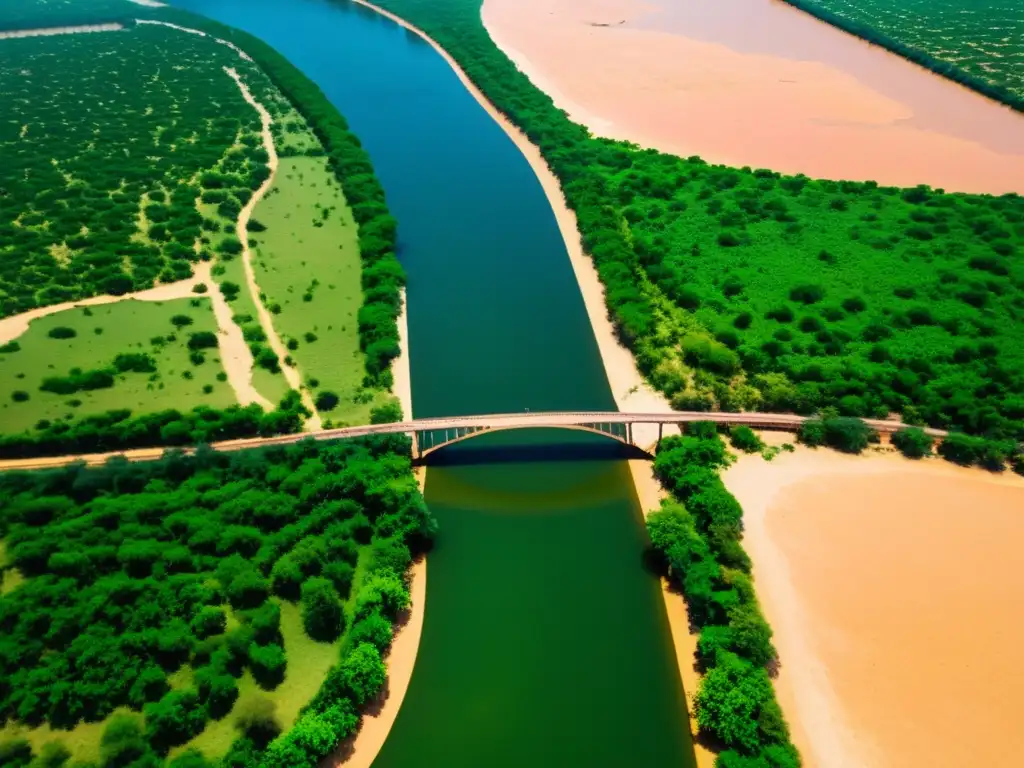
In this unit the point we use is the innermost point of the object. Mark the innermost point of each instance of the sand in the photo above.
(759, 83)
(892, 588)
(43, 32)
(291, 374)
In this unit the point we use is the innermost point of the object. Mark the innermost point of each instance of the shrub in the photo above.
(180, 321)
(256, 718)
(15, 752)
(176, 718)
(326, 400)
(19, 396)
(267, 663)
(912, 442)
(743, 438)
(730, 699)
(202, 340)
(322, 615)
(62, 332)
(211, 620)
(386, 413)
(807, 294)
(10, 347)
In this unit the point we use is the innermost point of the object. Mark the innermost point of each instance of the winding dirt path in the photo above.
(291, 374)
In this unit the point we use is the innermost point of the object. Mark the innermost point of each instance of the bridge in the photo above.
(433, 434)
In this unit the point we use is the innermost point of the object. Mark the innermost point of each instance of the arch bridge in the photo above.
(640, 430)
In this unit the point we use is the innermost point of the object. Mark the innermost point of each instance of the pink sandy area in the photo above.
(894, 590)
(759, 83)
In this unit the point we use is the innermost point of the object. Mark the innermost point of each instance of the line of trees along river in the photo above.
(545, 642)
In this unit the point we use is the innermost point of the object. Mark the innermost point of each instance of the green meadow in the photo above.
(100, 334)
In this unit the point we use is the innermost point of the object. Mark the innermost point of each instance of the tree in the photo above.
(326, 400)
(322, 615)
(256, 718)
(386, 413)
(730, 699)
(211, 620)
(363, 673)
(267, 663)
(175, 719)
(16, 753)
(912, 442)
(743, 438)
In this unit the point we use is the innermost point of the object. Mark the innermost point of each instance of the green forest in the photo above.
(979, 43)
(151, 186)
(104, 142)
(145, 596)
(742, 289)
(38, 14)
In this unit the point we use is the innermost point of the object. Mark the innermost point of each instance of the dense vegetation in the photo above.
(132, 572)
(979, 43)
(99, 182)
(696, 537)
(38, 14)
(99, 211)
(741, 289)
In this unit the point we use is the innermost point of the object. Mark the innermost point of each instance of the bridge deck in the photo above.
(489, 422)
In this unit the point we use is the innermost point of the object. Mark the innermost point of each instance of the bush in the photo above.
(202, 340)
(322, 615)
(19, 396)
(729, 701)
(386, 413)
(326, 400)
(842, 433)
(16, 752)
(912, 442)
(211, 620)
(267, 663)
(743, 438)
(176, 718)
(62, 332)
(256, 718)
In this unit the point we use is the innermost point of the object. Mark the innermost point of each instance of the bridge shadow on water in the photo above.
(531, 446)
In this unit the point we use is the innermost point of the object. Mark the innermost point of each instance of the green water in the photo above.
(545, 641)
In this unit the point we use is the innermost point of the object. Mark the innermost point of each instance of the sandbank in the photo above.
(759, 83)
(892, 588)
(46, 31)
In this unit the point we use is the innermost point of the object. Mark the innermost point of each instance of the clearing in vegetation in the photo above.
(307, 263)
(200, 602)
(979, 43)
(145, 356)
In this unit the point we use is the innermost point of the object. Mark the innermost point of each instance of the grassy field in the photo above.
(307, 263)
(982, 37)
(102, 332)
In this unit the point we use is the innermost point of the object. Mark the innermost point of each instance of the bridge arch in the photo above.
(426, 442)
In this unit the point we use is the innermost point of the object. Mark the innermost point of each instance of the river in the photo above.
(545, 641)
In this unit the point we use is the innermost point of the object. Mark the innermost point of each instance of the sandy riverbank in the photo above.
(46, 31)
(363, 749)
(892, 588)
(779, 90)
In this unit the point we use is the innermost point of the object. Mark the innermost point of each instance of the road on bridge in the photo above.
(485, 422)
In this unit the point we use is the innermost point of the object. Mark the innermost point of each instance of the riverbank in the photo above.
(782, 98)
(401, 660)
(858, 560)
(46, 31)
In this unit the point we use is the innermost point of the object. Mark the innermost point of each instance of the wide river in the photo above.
(545, 641)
